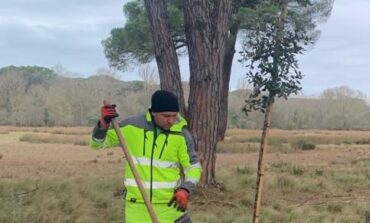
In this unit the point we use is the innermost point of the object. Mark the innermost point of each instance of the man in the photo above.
(159, 144)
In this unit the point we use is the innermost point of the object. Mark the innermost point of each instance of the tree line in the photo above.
(38, 96)
(347, 110)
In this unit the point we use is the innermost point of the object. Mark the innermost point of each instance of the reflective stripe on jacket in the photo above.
(157, 154)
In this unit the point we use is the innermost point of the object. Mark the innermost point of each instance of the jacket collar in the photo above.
(177, 127)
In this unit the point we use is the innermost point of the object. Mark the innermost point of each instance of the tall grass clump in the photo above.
(303, 145)
(285, 183)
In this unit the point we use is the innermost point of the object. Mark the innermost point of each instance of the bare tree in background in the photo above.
(150, 78)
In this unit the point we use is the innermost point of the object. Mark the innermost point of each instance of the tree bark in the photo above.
(226, 74)
(164, 50)
(367, 217)
(206, 29)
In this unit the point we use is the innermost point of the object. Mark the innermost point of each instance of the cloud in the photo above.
(51, 32)
(342, 53)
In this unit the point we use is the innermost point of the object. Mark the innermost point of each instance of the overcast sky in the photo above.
(69, 33)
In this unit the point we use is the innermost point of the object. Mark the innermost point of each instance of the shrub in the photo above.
(319, 172)
(308, 146)
(303, 145)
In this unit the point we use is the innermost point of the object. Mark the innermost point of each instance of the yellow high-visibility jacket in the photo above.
(157, 154)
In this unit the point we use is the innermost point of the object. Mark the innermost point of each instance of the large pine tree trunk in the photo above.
(206, 29)
(164, 50)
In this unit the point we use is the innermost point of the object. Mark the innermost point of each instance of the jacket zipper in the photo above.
(144, 142)
(164, 144)
(151, 163)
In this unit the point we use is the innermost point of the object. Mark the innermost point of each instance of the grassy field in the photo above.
(50, 175)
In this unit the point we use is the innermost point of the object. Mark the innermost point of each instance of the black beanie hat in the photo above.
(164, 101)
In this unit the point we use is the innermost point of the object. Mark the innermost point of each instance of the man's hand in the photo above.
(108, 112)
(180, 199)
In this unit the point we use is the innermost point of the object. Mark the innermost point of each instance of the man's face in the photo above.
(165, 120)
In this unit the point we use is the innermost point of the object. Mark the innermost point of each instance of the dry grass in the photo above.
(291, 194)
(54, 180)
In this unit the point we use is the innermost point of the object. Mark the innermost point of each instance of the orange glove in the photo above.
(180, 199)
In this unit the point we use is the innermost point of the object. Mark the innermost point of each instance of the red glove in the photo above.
(180, 199)
(108, 112)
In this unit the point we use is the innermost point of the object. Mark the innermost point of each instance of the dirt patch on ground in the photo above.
(37, 161)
